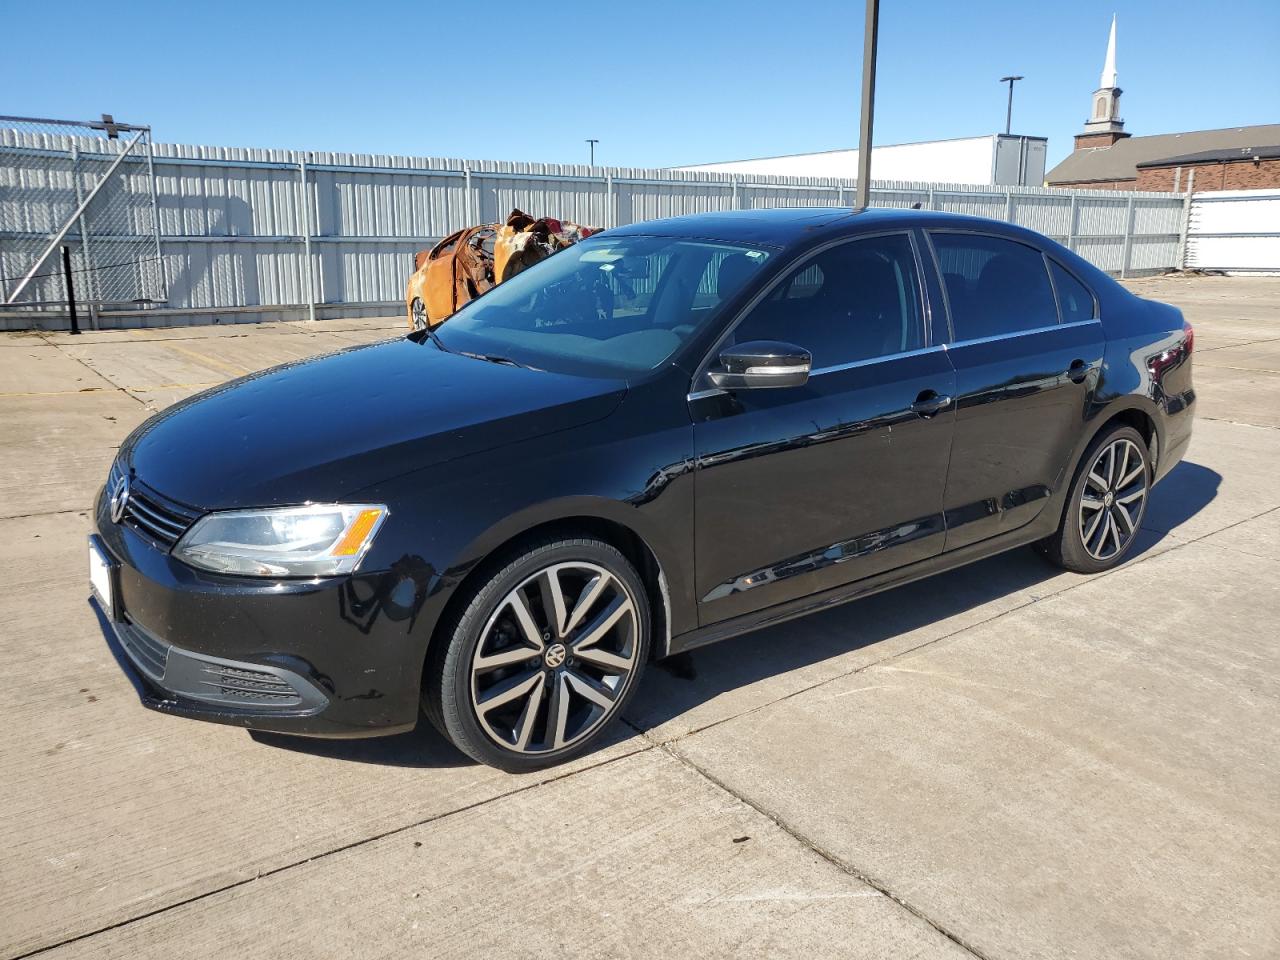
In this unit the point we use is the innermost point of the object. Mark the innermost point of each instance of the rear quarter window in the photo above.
(1075, 300)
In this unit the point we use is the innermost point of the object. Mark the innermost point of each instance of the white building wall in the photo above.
(968, 160)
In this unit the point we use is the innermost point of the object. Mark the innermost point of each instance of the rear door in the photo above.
(1024, 379)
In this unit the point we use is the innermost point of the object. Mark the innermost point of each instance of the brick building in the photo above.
(1109, 158)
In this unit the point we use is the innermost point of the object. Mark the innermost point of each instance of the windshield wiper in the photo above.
(494, 358)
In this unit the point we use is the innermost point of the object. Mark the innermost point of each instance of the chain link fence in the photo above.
(88, 187)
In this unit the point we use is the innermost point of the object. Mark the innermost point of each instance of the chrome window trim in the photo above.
(1023, 333)
(783, 273)
(934, 348)
(919, 351)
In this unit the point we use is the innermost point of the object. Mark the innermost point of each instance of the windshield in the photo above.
(608, 306)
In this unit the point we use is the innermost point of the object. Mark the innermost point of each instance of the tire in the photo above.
(1106, 505)
(518, 689)
(418, 315)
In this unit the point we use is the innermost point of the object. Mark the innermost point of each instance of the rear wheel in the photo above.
(418, 314)
(1107, 503)
(543, 658)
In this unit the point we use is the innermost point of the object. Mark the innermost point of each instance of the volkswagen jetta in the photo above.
(666, 435)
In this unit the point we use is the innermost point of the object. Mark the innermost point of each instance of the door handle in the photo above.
(1077, 371)
(930, 402)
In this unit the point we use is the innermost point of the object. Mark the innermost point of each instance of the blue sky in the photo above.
(659, 83)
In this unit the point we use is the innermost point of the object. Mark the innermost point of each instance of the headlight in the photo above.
(314, 541)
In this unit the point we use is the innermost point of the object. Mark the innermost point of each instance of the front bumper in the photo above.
(336, 657)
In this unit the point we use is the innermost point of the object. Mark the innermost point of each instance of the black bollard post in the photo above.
(71, 290)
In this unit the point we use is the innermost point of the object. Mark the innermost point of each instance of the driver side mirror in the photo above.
(762, 363)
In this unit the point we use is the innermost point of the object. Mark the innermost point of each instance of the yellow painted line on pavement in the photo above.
(75, 393)
(59, 393)
(210, 361)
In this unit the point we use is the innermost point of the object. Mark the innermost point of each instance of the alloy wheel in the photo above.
(555, 658)
(419, 315)
(1113, 498)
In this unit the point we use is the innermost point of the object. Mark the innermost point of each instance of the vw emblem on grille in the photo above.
(119, 499)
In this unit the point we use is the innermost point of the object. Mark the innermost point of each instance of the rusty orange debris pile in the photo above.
(472, 261)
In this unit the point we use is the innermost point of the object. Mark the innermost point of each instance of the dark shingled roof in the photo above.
(1120, 161)
(1213, 156)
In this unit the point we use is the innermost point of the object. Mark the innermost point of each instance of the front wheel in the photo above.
(418, 314)
(1107, 503)
(543, 657)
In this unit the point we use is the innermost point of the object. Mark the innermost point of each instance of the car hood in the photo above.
(322, 429)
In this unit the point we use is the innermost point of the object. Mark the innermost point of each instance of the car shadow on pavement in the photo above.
(420, 747)
(1187, 490)
(687, 681)
(677, 685)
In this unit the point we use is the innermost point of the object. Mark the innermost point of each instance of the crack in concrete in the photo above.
(98, 373)
(836, 861)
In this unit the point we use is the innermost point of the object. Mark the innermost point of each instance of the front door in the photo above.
(806, 488)
(1024, 380)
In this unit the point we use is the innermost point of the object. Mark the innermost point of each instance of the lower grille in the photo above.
(229, 683)
(254, 686)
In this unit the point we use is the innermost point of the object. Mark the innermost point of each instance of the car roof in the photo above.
(785, 227)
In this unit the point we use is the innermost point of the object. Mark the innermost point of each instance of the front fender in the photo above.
(447, 520)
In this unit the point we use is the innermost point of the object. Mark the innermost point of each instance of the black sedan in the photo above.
(669, 434)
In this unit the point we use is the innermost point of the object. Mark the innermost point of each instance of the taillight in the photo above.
(1188, 338)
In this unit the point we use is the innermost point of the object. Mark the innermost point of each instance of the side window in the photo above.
(856, 301)
(1074, 298)
(994, 286)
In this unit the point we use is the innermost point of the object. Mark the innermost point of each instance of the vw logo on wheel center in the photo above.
(119, 500)
(555, 655)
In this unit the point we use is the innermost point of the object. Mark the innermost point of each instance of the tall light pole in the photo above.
(862, 192)
(1008, 116)
(592, 144)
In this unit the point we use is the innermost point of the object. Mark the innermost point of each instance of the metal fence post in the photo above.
(1072, 224)
(306, 239)
(85, 251)
(931, 199)
(610, 211)
(1128, 240)
(1008, 205)
(1186, 221)
(155, 219)
(466, 191)
(734, 180)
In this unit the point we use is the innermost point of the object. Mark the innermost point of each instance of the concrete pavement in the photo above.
(1006, 761)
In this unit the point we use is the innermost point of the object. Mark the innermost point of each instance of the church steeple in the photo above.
(1104, 126)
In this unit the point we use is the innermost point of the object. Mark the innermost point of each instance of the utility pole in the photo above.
(862, 194)
(592, 144)
(1008, 116)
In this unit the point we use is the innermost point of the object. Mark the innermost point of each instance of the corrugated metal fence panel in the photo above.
(1050, 215)
(232, 219)
(1237, 231)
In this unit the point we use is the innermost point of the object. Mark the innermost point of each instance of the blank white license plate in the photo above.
(100, 578)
